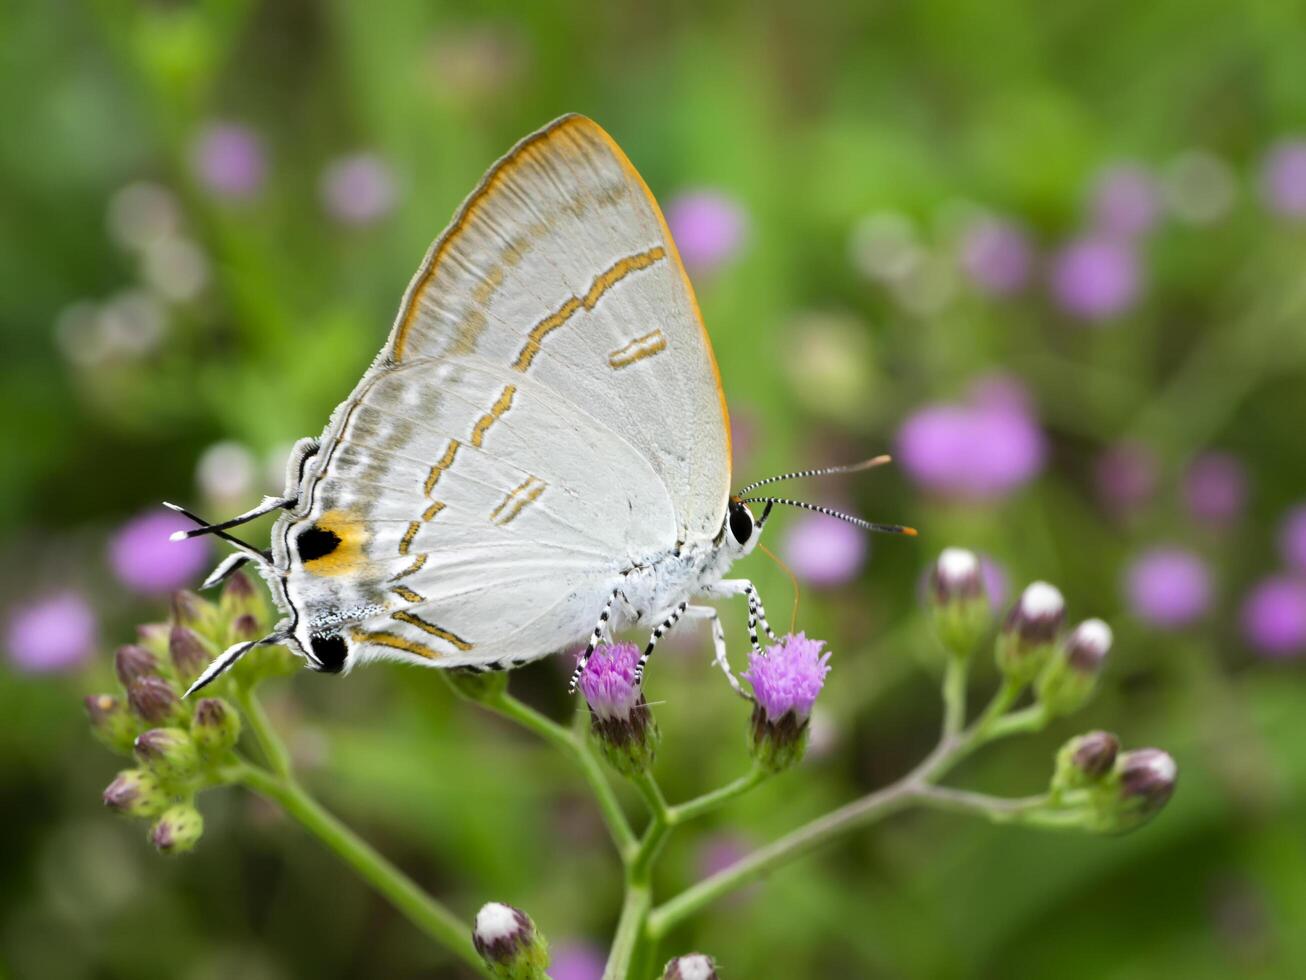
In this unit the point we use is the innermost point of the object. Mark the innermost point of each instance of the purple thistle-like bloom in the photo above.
(1125, 202)
(708, 228)
(576, 960)
(145, 560)
(1215, 488)
(1283, 178)
(608, 682)
(1274, 616)
(228, 160)
(1125, 476)
(1168, 587)
(54, 633)
(825, 551)
(1095, 279)
(996, 256)
(980, 450)
(787, 679)
(358, 189)
(1292, 538)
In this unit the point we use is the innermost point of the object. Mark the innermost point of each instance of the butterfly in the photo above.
(539, 453)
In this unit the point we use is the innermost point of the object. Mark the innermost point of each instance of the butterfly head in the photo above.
(742, 530)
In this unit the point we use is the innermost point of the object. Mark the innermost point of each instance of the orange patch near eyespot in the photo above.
(348, 554)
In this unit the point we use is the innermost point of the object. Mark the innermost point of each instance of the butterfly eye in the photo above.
(741, 523)
(329, 653)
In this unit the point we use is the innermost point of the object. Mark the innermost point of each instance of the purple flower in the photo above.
(1283, 178)
(53, 633)
(708, 228)
(575, 960)
(1168, 587)
(1095, 279)
(608, 682)
(145, 560)
(358, 189)
(1292, 538)
(1274, 616)
(980, 450)
(1215, 488)
(1125, 476)
(824, 551)
(996, 256)
(788, 677)
(228, 159)
(1125, 202)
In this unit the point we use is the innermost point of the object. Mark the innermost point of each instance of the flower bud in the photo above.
(1147, 781)
(153, 699)
(153, 637)
(188, 609)
(509, 943)
(1084, 761)
(786, 680)
(692, 966)
(620, 718)
(131, 662)
(178, 829)
(1068, 680)
(136, 793)
(188, 653)
(1030, 631)
(215, 727)
(111, 722)
(958, 603)
(169, 753)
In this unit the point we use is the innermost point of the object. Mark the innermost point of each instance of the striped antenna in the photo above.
(268, 505)
(227, 659)
(865, 464)
(262, 557)
(866, 525)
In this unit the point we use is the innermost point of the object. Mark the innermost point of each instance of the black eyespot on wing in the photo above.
(316, 542)
(741, 523)
(330, 653)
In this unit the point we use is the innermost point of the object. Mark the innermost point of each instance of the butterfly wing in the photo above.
(545, 414)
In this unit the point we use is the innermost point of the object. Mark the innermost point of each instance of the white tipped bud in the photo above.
(959, 606)
(1030, 631)
(691, 966)
(509, 943)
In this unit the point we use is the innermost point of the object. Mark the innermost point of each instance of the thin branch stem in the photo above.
(1031, 719)
(630, 929)
(954, 695)
(429, 915)
(699, 805)
(996, 808)
(572, 742)
(269, 743)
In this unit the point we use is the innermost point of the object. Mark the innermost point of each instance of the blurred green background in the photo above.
(1052, 254)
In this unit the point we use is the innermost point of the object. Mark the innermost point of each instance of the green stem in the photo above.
(995, 808)
(269, 743)
(572, 742)
(954, 695)
(630, 928)
(1031, 719)
(699, 805)
(421, 909)
(641, 862)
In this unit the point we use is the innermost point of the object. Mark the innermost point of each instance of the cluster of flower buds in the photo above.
(178, 745)
(620, 719)
(508, 941)
(959, 603)
(786, 679)
(1108, 790)
(691, 966)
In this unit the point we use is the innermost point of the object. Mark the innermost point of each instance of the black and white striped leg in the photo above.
(718, 645)
(667, 623)
(756, 609)
(595, 638)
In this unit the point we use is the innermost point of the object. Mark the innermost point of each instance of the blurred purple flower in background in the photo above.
(55, 632)
(358, 189)
(708, 228)
(979, 450)
(1274, 616)
(1095, 279)
(228, 160)
(1283, 178)
(825, 551)
(1125, 476)
(1292, 538)
(1125, 202)
(573, 959)
(146, 561)
(996, 256)
(1215, 488)
(1168, 587)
